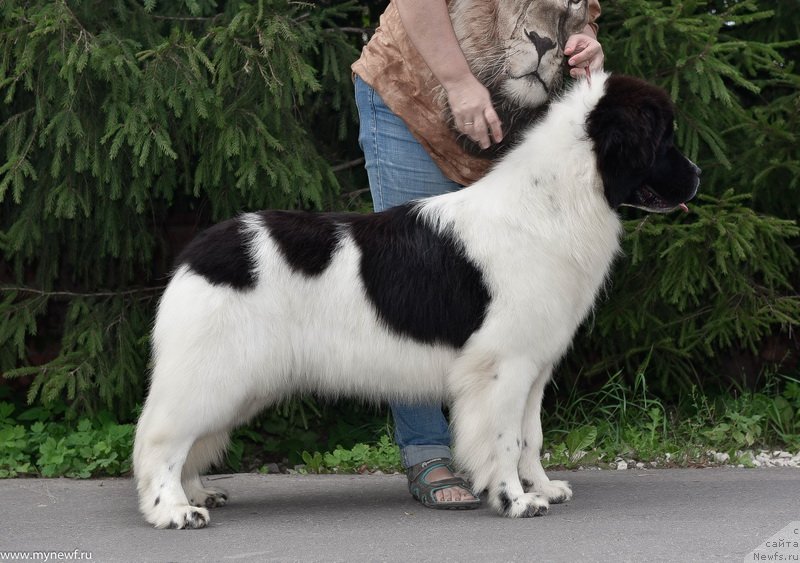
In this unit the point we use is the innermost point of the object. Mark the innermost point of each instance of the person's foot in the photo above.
(434, 485)
(453, 493)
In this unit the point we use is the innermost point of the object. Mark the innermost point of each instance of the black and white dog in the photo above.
(471, 297)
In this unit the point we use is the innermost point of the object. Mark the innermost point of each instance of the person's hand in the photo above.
(473, 112)
(583, 50)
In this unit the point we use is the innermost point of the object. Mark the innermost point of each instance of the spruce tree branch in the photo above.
(24, 153)
(355, 30)
(186, 18)
(347, 165)
(13, 118)
(84, 32)
(355, 193)
(44, 293)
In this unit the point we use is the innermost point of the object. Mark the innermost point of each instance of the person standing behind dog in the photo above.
(411, 152)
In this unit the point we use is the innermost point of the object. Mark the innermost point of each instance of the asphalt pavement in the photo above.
(634, 515)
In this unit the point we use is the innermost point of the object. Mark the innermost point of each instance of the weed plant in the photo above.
(31, 445)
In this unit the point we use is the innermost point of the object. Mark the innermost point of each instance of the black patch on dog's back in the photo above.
(306, 240)
(420, 281)
(220, 255)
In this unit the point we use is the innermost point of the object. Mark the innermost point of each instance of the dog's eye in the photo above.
(575, 3)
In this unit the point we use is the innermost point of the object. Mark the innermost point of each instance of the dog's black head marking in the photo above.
(632, 131)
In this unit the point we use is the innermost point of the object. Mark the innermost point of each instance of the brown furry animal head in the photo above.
(516, 49)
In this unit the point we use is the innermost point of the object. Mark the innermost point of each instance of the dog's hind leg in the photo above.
(183, 428)
(160, 450)
(489, 403)
(205, 452)
(531, 472)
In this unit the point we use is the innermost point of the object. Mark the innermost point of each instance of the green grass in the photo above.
(620, 420)
(623, 421)
(626, 421)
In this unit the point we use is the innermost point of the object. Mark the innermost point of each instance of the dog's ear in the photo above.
(626, 127)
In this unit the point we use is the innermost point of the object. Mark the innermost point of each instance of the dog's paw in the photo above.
(181, 517)
(208, 497)
(555, 491)
(526, 505)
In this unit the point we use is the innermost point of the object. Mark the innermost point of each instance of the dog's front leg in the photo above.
(531, 472)
(488, 407)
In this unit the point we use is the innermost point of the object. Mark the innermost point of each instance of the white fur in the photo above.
(539, 229)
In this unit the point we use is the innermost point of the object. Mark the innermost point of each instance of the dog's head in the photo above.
(632, 131)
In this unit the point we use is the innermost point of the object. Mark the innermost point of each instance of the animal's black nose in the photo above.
(542, 44)
(696, 168)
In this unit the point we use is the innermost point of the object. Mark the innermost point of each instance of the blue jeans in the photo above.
(399, 170)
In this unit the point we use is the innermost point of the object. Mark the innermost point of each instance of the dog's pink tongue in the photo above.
(684, 207)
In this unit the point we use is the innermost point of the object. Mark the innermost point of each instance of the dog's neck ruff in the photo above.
(548, 185)
(558, 144)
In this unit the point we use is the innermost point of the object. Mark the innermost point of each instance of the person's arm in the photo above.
(428, 25)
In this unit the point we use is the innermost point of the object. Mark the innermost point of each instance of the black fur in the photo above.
(505, 501)
(220, 255)
(420, 281)
(307, 240)
(632, 131)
